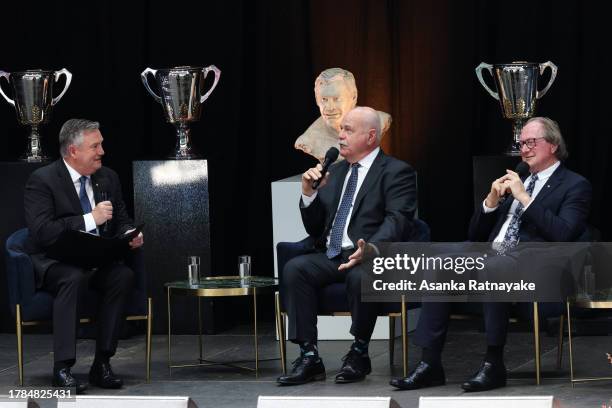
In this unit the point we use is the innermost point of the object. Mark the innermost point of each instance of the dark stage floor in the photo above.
(221, 386)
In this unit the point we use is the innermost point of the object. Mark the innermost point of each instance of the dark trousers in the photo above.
(303, 276)
(433, 324)
(69, 284)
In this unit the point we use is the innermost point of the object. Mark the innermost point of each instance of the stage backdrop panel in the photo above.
(171, 198)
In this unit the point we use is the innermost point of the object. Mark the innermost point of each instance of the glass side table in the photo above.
(600, 299)
(216, 286)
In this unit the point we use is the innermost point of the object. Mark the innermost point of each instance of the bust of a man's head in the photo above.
(336, 95)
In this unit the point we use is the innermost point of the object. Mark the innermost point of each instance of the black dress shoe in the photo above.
(101, 375)
(355, 368)
(305, 369)
(488, 377)
(63, 378)
(424, 375)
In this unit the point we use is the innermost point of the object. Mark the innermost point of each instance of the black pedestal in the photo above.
(171, 198)
(13, 176)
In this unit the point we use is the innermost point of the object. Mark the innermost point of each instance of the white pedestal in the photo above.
(287, 227)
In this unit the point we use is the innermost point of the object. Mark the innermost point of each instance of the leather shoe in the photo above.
(424, 375)
(355, 367)
(488, 377)
(305, 369)
(63, 378)
(101, 375)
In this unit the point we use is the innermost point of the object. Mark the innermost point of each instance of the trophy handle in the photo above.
(68, 80)
(482, 82)
(6, 75)
(145, 81)
(553, 75)
(205, 71)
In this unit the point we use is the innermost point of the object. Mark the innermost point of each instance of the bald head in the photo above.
(360, 133)
(369, 119)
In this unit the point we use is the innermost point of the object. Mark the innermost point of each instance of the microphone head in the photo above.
(332, 155)
(522, 169)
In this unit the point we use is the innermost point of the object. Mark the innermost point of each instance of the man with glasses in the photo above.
(550, 205)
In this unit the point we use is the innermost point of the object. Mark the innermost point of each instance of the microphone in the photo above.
(522, 169)
(330, 157)
(103, 194)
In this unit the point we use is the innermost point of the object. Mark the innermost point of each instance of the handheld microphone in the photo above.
(330, 157)
(522, 169)
(103, 194)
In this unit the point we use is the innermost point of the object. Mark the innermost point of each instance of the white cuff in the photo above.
(90, 223)
(308, 200)
(487, 209)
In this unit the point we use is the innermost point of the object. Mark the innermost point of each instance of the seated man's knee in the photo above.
(353, 280)
(293, 272)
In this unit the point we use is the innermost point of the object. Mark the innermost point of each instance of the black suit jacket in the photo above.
(558, 213)
(383, 209)
(52, 206)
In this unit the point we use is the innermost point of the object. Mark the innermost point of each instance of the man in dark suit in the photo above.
(77, 193)
(551, 204)
(367, 197)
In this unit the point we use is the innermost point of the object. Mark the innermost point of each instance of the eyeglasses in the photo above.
(530, 143)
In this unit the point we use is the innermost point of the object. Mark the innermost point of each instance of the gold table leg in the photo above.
(200, 328)
(169, 334)
(404, 337)
(280, 327)
(536, 340)
(255, 332)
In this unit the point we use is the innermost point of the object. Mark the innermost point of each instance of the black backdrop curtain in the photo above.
(413, 59)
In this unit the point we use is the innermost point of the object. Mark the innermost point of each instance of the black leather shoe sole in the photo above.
(348, 379)
(79, 388)
(291, 381)
(412, 386)
(474, 387)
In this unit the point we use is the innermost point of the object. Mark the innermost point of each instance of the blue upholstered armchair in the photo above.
(333, 300)
(31, 307)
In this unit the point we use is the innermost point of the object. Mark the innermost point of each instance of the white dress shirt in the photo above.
(90, 223)
(362, 171)
(543, 177)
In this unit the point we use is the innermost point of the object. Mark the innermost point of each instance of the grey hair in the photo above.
(371, 120)
(71, 133)
(552, 134)
(334, 74)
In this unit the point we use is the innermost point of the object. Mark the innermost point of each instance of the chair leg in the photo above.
(560, 345)
(391, 340)
(404, 337)
(280, 327)
(536, 340)
(148, 342)
(19, 343)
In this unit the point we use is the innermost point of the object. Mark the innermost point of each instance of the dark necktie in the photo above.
(512, 233)
(335, 238)
(84, 199)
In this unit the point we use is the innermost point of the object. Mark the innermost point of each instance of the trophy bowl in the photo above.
(33, 102)
(181, 97)
(517, 92)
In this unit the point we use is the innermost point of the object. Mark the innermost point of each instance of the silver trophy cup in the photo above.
(181, 97)
(517, 92)
(33, 101)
